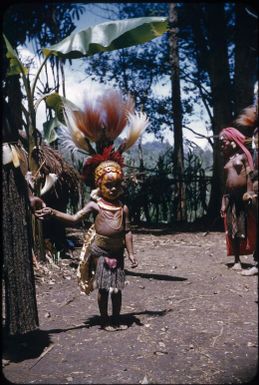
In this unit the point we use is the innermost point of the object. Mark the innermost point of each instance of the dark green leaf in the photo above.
(16, 66)
(49, 130)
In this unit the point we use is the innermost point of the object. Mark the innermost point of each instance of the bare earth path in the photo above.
(192, 320)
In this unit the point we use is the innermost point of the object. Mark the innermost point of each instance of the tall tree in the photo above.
(246, 43)
(178, 160)
(41, 25)
(214, 35)
(20, 296)
(219, 74)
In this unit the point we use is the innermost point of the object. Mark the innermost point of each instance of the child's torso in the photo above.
(110, 222)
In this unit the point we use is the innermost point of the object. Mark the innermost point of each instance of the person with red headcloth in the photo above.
(247, 121)
(240, 225)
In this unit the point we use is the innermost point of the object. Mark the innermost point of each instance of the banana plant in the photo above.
(107, 36)
(102, 37)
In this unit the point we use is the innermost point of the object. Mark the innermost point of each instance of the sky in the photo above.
(79, 85)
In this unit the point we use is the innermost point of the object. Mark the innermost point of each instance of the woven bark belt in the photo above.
(108, 243)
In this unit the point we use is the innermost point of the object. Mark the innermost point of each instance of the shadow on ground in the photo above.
(244, 265)
(24, 347)
(160, 277)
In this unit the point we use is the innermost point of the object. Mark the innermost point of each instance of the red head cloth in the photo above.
(232, 133)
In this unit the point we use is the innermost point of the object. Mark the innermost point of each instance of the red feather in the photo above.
(247, 120)
(89, 121)
(90, 164)
(115, 110)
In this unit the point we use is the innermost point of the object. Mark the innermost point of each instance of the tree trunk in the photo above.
(209, 34)
(20, 297)
(15, 103)
(177, 112)
(245, 57)
(221, 95)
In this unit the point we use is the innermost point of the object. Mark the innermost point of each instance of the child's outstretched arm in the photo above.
(67, 219)
(129, 239)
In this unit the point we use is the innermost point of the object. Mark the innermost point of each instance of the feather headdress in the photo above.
(247, 120)
(95, 128)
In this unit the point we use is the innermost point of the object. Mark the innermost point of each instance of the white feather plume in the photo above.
(71, 137)
(137, 123)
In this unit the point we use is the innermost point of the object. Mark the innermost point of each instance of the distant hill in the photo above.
(152, 151)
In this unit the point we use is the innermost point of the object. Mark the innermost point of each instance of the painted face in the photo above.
(225, 144)
(110, 185)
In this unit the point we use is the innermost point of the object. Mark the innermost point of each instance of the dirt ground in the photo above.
(191, 320)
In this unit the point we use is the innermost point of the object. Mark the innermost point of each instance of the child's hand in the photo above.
(222, 211)
(36, 203)
(133, 261)
(43, 213)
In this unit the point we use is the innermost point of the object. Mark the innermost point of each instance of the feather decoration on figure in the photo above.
(102, 122)
(92, 162)
(70, 135)
(89, 121)
(137, 123)
(73, 140)
(247, 118)
(95, 128)
(115, 113)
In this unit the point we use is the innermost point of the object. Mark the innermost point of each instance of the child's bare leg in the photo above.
(237, 262)
(103, 305)
(116, 309)
(116, 304)
(253, 270)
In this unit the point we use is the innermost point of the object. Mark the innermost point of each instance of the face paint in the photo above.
(110, 185)
(224, 143)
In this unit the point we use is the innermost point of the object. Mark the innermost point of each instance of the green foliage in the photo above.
(49, 130)
(15, 66)
(109, 36)
(44, 22)
(137, 69)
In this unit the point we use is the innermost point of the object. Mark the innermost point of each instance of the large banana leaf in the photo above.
(109, 36)
(15, 65)
(55, 101)
(49, 130)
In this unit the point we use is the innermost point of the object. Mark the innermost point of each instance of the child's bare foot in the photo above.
(114, 328)
(115, 323)
(109, 328)
(104, 322)
(121, 327)
(237, 266)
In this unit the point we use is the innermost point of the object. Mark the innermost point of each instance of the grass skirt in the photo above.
(106, 277)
